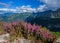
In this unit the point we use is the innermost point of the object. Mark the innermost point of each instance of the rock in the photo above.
(57, 40)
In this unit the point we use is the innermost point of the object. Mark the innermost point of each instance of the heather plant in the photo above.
(28, 31)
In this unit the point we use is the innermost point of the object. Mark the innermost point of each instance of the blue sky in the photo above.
(18, 3)
(29, 5)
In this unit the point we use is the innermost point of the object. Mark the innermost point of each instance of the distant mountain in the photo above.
(49, 19)
(45, 15)
(10, 17)
(13, 16)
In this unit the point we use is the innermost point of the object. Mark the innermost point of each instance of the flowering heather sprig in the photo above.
(31, 27)
(15, 23)
(47, 35)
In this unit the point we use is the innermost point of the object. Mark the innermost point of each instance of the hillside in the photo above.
(49, 19)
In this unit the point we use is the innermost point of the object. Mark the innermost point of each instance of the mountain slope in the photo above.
(49, 19)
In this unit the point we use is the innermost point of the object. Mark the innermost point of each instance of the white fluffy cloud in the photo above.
(52, 4)
(48, 5)
(21, 9)
(27, 8)
(42, 8)
(7, 9)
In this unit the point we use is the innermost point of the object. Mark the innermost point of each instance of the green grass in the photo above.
(56, 34)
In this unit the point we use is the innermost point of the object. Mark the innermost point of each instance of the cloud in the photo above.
(42, 8)
(52, 4)
(6, 5)
(49, 5)
(21, 9)
(27, 8)
(6, 10)
(24, 8)
(3, 3)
